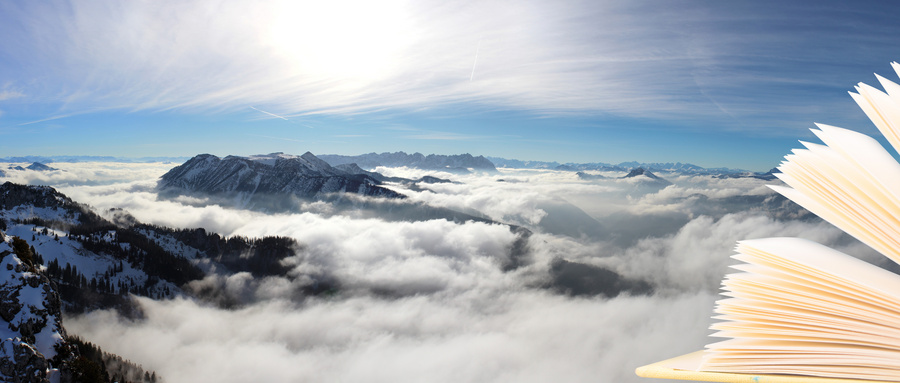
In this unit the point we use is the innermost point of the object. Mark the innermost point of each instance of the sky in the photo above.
(731, 84)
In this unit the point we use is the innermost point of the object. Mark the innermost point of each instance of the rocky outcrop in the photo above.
(22, 362)
(31, 331)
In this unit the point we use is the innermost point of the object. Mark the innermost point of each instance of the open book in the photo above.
(798, 310)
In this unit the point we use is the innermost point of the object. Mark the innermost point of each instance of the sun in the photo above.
(355, 41)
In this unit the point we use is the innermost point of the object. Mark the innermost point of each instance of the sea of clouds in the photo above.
(433, 300)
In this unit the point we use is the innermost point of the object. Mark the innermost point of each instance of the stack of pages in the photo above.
(798, 311)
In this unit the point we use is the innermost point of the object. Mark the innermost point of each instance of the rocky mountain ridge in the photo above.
(57, 255)
(253, 181)
(34, 345)
(97, 263)
(661, 167)
(460, 163)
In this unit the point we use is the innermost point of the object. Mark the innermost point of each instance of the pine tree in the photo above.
(23, 251)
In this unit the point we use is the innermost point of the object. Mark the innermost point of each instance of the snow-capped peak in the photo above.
(314, 162)
(269, 159)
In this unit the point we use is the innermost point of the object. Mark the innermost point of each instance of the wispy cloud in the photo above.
(7, 94)
(475, 61)
(444, 136)
(414, 133)
(349, 57)
(277, 138)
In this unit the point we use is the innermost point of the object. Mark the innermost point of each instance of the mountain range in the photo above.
(639, 178)
(460, 163)
(36, 166)
(663, 167)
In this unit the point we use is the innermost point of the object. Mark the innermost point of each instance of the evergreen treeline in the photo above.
(92, 365)
(80, 294)
(141, 252)
(138, 246)
(259, 256)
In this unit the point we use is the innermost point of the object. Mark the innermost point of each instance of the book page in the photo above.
(800, 307)
(852, 183)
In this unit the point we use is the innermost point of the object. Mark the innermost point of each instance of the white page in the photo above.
(800, 307)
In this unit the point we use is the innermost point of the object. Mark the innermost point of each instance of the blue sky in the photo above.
(713, 83)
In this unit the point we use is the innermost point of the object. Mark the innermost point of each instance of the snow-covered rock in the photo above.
(645, 177)
(254, 181)
(112, 260)
(43, 202)
(30, 319)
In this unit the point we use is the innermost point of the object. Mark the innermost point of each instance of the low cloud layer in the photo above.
(523, 336)
(84, 173)
(433, 300)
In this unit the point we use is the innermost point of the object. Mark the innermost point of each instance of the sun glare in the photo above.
(355, 40)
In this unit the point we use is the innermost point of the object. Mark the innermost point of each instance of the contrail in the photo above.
(271, 114)
(54, 118)
(281, 117)
(476, 60)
